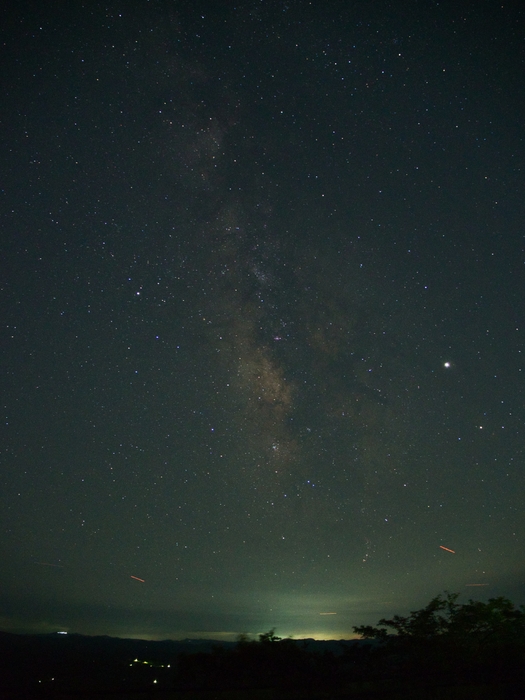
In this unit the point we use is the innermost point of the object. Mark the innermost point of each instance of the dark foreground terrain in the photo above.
(445, 651)
(75, 666)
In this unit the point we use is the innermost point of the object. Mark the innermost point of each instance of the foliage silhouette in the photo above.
(474, 639)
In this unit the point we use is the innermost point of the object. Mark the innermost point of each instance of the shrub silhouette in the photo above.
(270, 662)
(474, 639)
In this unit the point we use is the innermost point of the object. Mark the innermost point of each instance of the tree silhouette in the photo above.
(462, 639)
(268, 637)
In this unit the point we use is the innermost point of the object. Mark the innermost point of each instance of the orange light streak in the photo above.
(138, 579)
(46, 563)
(447, 549)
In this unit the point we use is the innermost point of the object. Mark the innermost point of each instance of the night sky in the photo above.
(262, 306)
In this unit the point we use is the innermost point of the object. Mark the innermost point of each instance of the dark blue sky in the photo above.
(262, 301)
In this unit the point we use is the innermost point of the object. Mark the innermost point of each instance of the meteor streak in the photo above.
(447, 549)
(138, 579)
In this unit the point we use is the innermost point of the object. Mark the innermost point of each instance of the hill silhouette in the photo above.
(445, 650)
(75, 663)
